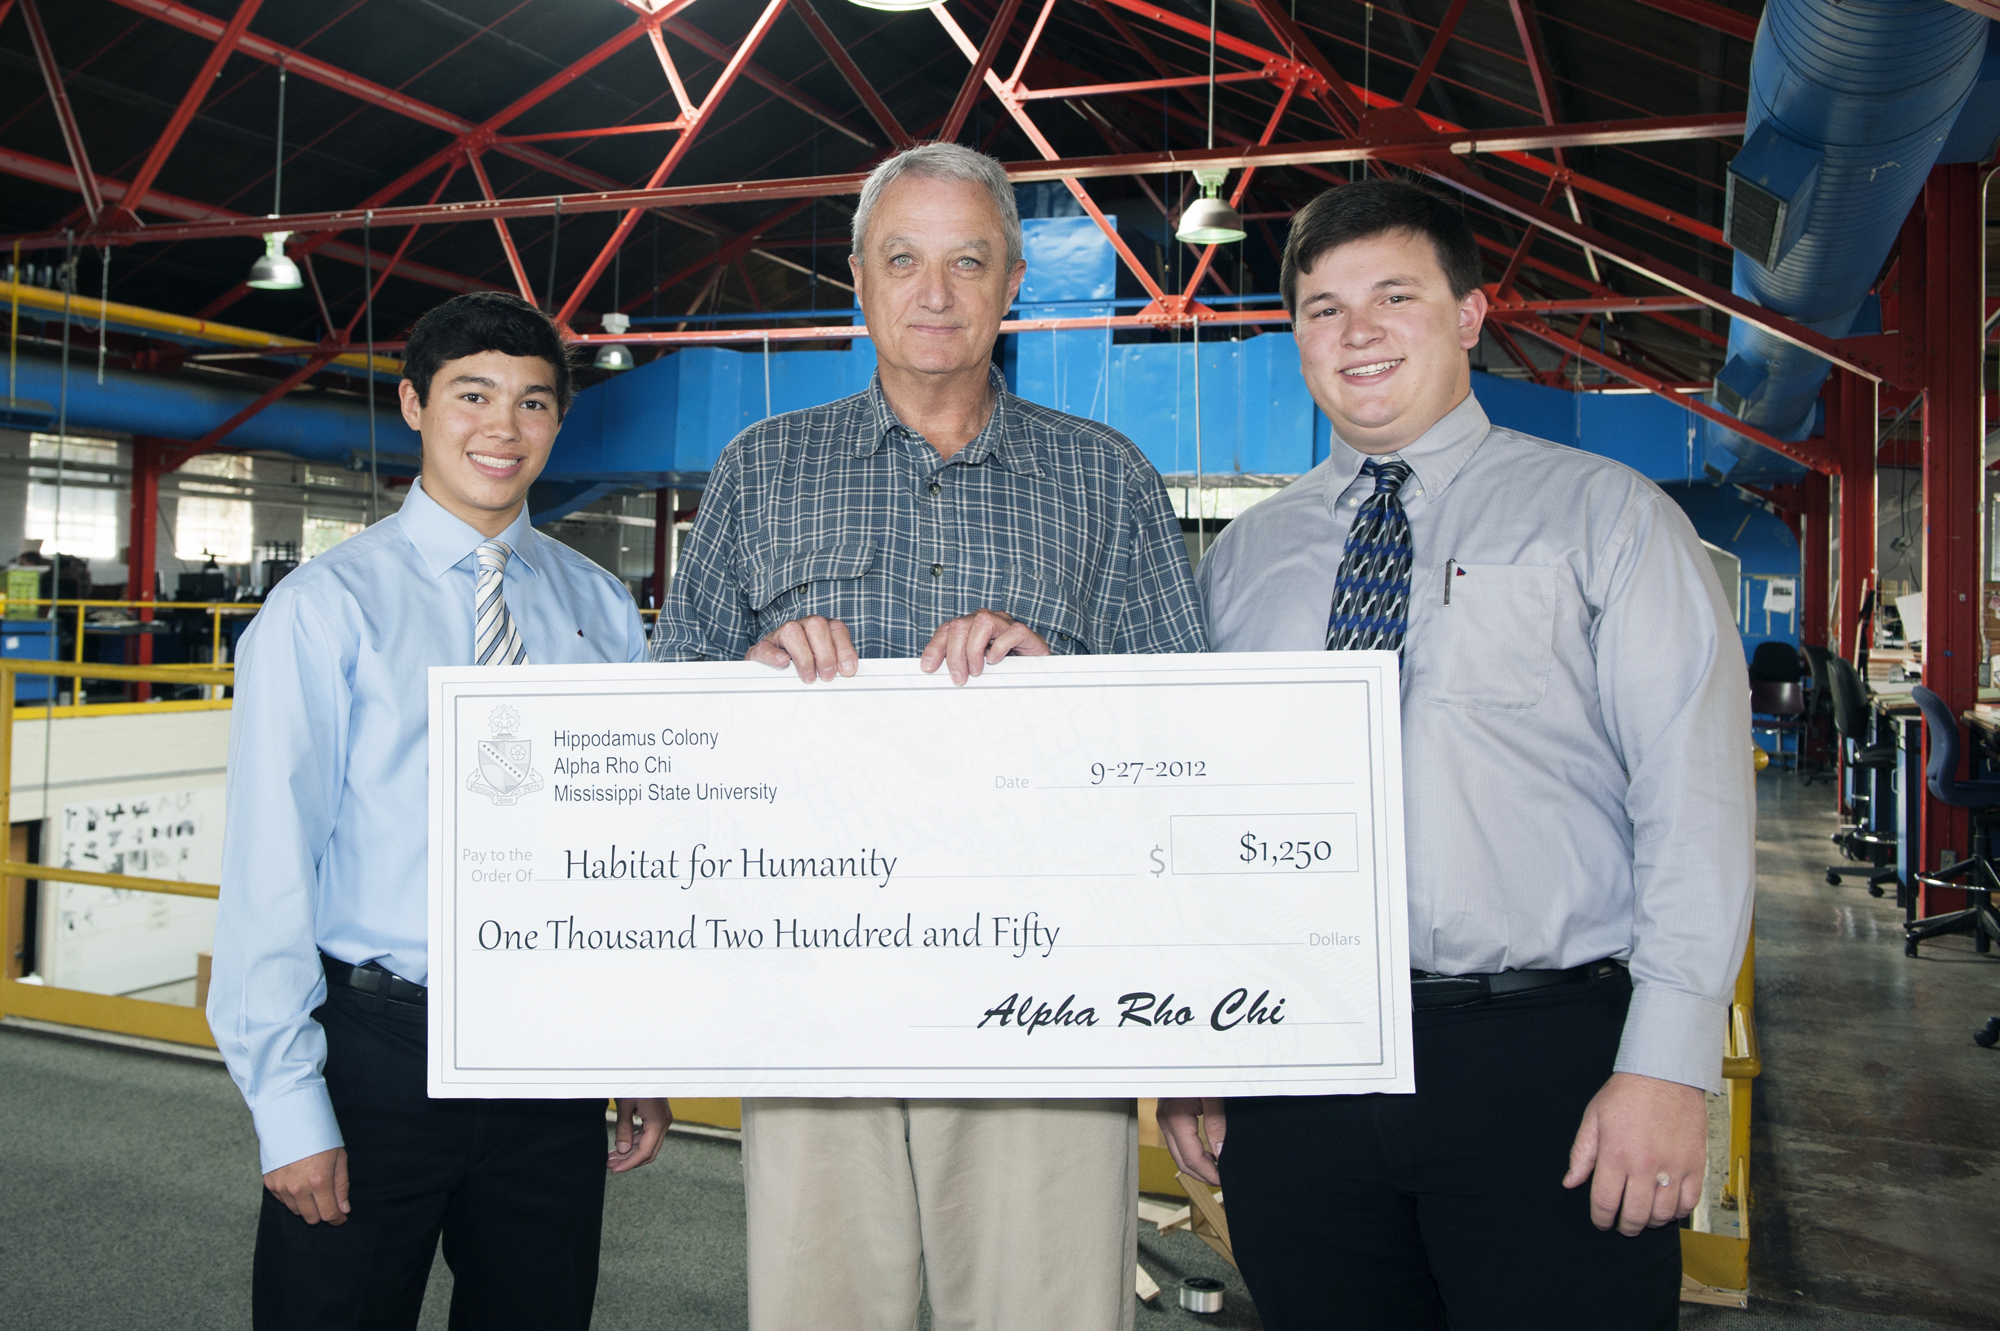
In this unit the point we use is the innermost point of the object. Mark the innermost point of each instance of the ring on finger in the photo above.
(1665, 1179)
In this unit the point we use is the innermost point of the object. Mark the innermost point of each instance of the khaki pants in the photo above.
(1014, 1215)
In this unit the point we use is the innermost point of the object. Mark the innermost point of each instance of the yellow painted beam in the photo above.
(1720, 1261)
(105, 1012)
(178, 325)
(49, 873)
(715, 1113)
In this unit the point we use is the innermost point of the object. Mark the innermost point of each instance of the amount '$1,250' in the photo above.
(1266, 843)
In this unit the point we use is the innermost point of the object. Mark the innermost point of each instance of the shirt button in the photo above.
(937, 570)
(936, 488)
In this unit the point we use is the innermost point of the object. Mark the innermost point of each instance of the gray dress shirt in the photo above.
(1576, 716)
(844, 511)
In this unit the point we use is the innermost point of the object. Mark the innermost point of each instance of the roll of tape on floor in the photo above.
(1201, 1294)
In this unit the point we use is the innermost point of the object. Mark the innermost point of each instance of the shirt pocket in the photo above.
(1034, 594)
(1492, 643)
(803, 583)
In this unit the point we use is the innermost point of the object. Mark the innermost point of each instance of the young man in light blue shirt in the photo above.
(318, 999)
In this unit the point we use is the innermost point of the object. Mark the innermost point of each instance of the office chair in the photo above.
(1850, 711)
(1978, 871)
(1776, 663)
(1778, 710)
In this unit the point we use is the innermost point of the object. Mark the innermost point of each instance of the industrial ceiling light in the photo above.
(894, 6)
(275, 271)
(1209, 220)
(612, 356)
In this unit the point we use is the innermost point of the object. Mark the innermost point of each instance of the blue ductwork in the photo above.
(316, 427)
(1851, 105)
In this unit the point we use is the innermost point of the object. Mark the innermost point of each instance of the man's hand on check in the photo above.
(1181, 1123)
(1643, 1147)
(817, 647)
(636, 1147)
(313, 1189)
(967, 645)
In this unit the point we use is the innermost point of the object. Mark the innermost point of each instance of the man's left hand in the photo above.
(969, 644)
(1643, 1146)
(638, 1146)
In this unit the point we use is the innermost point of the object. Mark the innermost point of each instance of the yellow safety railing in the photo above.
(1716, 1267)
(76, 1007)
(216, 611)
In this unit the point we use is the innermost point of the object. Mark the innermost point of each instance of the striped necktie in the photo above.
(1371, 597)
(495, 639)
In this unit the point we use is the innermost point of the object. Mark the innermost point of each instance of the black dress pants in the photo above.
(1445, 1209)
(515, 1188)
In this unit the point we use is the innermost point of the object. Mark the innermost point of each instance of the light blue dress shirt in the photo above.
(1576, 716)
(327, 838)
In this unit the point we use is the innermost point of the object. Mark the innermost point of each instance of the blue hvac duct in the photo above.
(319, 428)
(1850, 107)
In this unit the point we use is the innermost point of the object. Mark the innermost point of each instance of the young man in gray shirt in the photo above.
(1579, 803)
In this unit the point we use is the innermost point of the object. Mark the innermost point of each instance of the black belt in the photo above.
(373, 979)
(1435, 991)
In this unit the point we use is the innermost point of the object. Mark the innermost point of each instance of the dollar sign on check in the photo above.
(1159, 865)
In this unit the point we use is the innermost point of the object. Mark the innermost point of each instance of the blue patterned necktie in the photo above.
(495, 639)
(1371, 597)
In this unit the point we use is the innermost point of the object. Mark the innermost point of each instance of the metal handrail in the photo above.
(76, 1007)
(216, 676)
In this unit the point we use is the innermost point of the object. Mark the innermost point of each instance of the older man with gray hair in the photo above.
(935, 515)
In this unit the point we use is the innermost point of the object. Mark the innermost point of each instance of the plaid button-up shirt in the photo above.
(845, 512)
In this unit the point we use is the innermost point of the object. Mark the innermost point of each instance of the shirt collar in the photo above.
(1435, 457)
(444, 541)
(1004, 438)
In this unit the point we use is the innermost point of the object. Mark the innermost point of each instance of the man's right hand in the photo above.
(817, 647)
(1181, 1124)
(313, 1189)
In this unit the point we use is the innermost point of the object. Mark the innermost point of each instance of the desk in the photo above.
(1984, 722)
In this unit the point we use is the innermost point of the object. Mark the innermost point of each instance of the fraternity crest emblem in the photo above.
(504, 773)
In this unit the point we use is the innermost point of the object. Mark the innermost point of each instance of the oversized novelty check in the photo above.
(1074, 876)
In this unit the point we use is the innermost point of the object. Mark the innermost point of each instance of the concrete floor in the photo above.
(1875, 1160)
(129, 1190)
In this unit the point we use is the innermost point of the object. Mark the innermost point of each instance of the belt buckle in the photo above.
(1439, 991)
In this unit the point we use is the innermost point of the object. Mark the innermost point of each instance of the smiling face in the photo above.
(933, 278)
(487, 431)
(1382, 341)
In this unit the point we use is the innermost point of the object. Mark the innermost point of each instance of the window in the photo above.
(322, 534)
(206, 526)
(80, 516)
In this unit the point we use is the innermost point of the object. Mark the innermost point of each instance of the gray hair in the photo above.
(942, 161)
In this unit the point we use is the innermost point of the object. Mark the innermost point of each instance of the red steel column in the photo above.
(1815, 510)
(663, 536)
(1850, 432)
(1953, 448)
(142, 552)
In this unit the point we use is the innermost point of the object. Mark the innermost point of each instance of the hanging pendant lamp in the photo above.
(611, 356)
(274, 270)
(1210, 220)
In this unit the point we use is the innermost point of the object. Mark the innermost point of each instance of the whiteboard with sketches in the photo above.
(110, 941)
